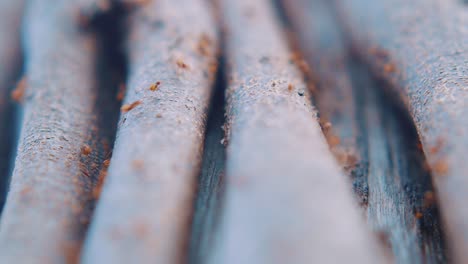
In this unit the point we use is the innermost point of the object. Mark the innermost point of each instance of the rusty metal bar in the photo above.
(419, 47)
(373, 139)
(63, 142)
(145, 209)
(286, 198)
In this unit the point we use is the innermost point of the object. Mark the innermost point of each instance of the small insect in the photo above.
(128, 107)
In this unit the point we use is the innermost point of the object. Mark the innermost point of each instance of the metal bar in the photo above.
(419, 47)
(377, 144)
(145, 209)
(64, 139)
(286, 198)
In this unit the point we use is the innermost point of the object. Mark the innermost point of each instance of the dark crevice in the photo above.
(211, 179)
(111, 72)
(401, 202)
(9, 135)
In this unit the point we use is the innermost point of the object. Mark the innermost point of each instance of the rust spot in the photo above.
(429, 199)
(389, 68)
(86, 150)
(138, 164)
(18, 93)
(121, 92)
(155, 86)
(419, 215)
(181, 64)
(106, 163)
(290, 87)
(437, 147)
(128, 107)
(333, 140)
(204, 44)
(440, 167)
(159, 115)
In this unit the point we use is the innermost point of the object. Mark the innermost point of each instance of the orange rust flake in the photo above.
(437, 147)
(333, 140)
(389, 68)
(86, 150)
(18, 93)
(155, 86)
(121, 92)
(128, 107)
(419, 215)
(440, 167)
(429, 198)
(106, 163)
(138, 164)
(203, 45)
(181, 64)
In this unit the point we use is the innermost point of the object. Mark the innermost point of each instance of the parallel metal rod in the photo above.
(377, 145)
(145, 209)
(419, 47)
(286, 198)
(64, 139)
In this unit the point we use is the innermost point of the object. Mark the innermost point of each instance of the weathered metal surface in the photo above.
(372, 139)
(63, 139)
(145, 209)
(420, 48)
(286, 198)
(11, 13)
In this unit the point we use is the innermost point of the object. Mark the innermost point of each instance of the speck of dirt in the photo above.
(203, 45)
(18, 93)
(155, 86)
(106, 163)
(86, 150)
(291, 87)
(159, 115)
(440, 167)
(128, 107)
(181, 64)
(138, 164)
(389, 68)
(121, 93)
(300, 93)
(419, 215)
(429, 199)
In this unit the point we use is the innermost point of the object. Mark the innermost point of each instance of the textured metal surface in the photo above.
(285, 195)
(420, 47)
(62, 143)
(373, 139)
(144, 212)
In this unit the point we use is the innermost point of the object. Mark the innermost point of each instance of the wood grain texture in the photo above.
(144, 212)
(377, 143)
(11, 14)
(63, 139)
(286, 198)
(420, 47)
